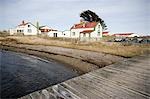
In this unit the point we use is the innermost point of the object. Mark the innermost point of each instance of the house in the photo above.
(86, 31)
(45, 29)
(124, 35)
(25, 28)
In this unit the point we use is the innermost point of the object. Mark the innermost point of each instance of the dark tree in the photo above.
(92, 17)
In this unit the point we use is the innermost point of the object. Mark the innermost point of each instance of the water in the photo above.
(22, 74)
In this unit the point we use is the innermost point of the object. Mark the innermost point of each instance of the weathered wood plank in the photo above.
(103, 86)
(128, 84)
(128, 75)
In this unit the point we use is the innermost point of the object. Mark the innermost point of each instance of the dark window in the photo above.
(55, 35)
(28, 25)
(84, 35)
(73, 33)
(29, 30)
(98, 33)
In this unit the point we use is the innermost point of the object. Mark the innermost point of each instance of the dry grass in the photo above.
(106, 47)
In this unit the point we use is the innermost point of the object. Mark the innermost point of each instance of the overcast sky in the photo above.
(119, 15)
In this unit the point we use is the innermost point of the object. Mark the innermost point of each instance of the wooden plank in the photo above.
(88, 90)
(137, 86)
(113, 90)
(117, 88)
(128, 68)
(127, 75)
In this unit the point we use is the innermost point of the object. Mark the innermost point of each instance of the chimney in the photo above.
(23, 22)
(84, 24)
(74, 26)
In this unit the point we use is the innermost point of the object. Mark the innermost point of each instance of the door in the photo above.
(55, 34)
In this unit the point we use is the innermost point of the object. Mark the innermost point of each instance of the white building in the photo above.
(66, 34)
(124, 35)
(61, 34)
(45, 29)
(25, 29)
(55, 33)
(87, 31)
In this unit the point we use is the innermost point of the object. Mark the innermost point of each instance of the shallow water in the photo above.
(22, 74)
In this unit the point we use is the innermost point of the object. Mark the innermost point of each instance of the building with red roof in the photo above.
(126, 35)
(86, 31)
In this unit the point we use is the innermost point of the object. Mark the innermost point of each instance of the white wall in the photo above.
(77, 32)
(31, 30)
(12, 31)
(63, 34)
(67, 34)
(133, 35)
(59, 33)
(95, 34)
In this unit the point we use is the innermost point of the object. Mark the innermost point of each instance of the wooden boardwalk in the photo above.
(129, 79)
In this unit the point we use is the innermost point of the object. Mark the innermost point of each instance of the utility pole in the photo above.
(37, 25)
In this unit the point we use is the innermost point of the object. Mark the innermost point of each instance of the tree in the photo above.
(92, 17)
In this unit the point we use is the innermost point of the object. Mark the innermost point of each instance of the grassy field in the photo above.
(119, 49)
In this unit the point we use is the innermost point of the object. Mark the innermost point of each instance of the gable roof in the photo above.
(24, 24)
(84, 25)
(45, 27)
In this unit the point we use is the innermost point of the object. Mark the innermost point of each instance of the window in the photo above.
(84, 35)
(55, 35)
(73, 33)
(29, 30)
(28, 25)
(98, 34)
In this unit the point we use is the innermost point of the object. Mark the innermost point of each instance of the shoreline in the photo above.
(80, 64)
(51, 56)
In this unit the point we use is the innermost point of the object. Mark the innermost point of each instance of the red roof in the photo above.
(87, 31)
(124, 34)
(105, 32)
(23, 24)
(84, 25)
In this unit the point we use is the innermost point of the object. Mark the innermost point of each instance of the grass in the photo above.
(119, 49)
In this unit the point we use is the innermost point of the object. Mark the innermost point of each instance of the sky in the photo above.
(119, 15)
